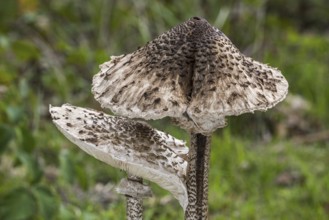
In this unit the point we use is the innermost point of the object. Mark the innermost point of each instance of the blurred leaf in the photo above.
(78, 56)
(82, 177)
(18, 204)
(32, 165)
(6, 134)
(4, 46)
(66, 212)
(46, 202)
(6, 74)
(4, 41)
(8, 13)
(66, 166)
(101, 56)
(24, 88)
(15, 113)
(28, 5)
(89, 216)
(25, 50)
(26, 139)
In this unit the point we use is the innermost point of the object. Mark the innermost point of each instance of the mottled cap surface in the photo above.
(129, 145)
(192, 73)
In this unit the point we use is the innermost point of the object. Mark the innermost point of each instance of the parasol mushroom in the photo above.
(194, 74)
(132, 146)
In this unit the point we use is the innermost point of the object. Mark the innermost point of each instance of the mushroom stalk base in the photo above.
(197, 179)
(134, 210)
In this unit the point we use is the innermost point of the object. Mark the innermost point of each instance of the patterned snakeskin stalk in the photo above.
(134, 204)
(197, 182)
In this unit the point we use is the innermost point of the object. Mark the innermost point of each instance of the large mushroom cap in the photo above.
(192, 73)
(129, 145)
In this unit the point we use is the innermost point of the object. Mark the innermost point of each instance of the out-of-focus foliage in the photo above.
(49, 51)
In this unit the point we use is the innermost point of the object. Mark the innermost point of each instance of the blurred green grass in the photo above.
(49, 52)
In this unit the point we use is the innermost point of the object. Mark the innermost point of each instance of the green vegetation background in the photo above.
(272, 165)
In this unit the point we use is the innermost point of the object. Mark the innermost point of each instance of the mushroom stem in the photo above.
(197, 179)
(134, 209)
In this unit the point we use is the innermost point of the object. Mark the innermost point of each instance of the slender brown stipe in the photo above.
(197, 182)
(134, 204)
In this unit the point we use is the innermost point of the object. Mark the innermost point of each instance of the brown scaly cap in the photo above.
(129, 145)
(192, 73)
